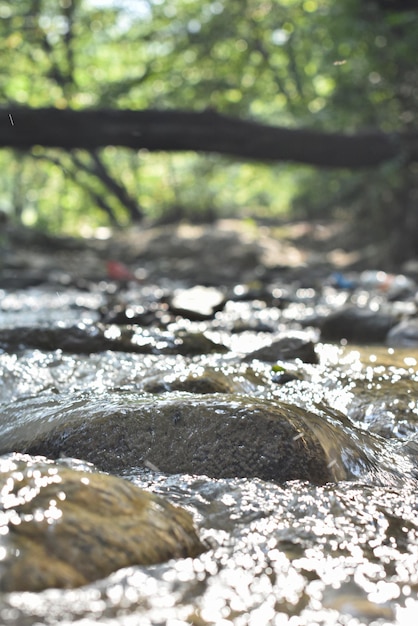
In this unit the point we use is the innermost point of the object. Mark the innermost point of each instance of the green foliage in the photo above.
(376, 86)
(322, 64)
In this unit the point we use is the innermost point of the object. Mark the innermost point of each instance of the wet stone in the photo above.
(218, 435)
(60, 527)
(195, 343)
(209, 382)
(76, 339)
(89, 339)
(287, 348)
(385, 404)
(357, 324)
(197, 303)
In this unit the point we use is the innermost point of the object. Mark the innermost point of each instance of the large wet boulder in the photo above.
(218, 435)
(61, 527)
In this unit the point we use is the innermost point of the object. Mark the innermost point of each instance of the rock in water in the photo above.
(197, 303)
(357, 324)
(61, 527)
(287, 348)
(218, 435)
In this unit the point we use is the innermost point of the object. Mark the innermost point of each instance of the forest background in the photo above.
(330, 66)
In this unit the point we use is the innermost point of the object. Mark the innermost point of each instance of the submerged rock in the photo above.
(287, 348)
(218, 435)
(61, 527)
(385, 403)
(357, 324)
(89, 339)
(194, 377)
(207, 382)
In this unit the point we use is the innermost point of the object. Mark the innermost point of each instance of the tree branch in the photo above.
(207, 131)
(99, 170)
(99, 199)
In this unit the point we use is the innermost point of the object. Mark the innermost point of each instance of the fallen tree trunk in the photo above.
(206, 131)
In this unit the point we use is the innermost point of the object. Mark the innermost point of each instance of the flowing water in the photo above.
(298, 553)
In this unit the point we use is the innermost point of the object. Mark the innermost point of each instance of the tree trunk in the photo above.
(205, 131)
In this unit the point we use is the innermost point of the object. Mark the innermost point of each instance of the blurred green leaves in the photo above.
(340, 66)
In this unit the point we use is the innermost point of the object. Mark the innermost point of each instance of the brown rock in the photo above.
(64, 528)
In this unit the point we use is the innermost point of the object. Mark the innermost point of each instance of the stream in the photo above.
(201, 329)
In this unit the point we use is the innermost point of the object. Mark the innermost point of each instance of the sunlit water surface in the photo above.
(343, 553)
